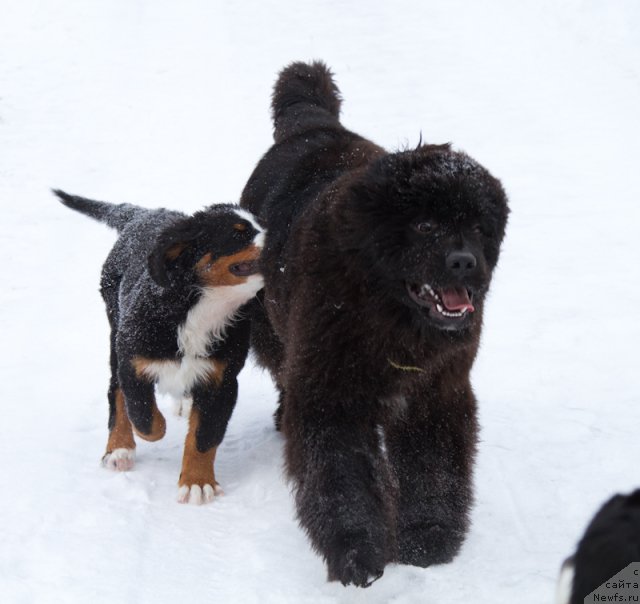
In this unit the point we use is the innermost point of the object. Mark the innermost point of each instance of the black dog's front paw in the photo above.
(427, 544)
(355, 562)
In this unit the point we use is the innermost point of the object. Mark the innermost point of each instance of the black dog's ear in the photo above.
(172, 246)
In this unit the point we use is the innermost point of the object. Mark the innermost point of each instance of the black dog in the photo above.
(175, 287)
(610, 543)
(376, 269)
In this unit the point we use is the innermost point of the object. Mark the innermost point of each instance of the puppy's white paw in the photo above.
(182, 406)
(120, 460)
(195, 494)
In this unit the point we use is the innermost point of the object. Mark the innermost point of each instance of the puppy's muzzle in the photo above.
(245, 269)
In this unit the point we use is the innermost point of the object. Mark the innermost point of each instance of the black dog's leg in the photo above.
(213, 404)
(344, 492)
(432, 449)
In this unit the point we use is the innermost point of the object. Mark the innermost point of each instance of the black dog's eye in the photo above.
(477, 229)
(424, 227)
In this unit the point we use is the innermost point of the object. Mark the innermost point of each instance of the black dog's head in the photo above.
(429, 223)
(216, 247)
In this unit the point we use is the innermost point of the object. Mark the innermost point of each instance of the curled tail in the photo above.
(304, 96)
(114, 215)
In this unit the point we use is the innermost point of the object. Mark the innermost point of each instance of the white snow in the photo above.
(166, 103)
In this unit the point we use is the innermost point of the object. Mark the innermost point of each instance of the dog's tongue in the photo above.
(456, 298)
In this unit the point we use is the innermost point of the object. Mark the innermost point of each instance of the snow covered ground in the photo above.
(161, 102)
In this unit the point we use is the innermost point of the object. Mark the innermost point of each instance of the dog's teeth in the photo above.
(440, 309)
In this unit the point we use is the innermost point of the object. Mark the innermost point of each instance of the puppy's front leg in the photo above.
(121, 446)
(344, 491)
(139, 394)
(213, 404)
(197, 483)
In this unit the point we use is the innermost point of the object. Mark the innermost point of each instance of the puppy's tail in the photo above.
(304, 96)
(114, 215)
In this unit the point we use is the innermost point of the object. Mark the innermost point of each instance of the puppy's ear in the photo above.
(173, 246)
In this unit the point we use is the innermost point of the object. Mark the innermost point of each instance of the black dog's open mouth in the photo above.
(445, 303)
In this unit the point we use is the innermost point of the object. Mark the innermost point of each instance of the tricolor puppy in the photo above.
(175, 287)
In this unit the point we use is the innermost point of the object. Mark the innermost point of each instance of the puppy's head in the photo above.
(216, 247)
(429, 222)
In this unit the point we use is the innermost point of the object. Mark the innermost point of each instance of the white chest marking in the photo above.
(206, 323)
(208, 320)
(177, 378)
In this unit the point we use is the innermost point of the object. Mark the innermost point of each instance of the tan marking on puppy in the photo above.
(120, 453)
(221, 367)
(175, 250)
(215, 274)
(158, 426)
(197, 483)
(178, 377)
(141, 365)
(121, 435)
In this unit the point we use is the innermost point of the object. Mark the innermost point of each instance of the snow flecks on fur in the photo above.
(117, 216)
(453, 164)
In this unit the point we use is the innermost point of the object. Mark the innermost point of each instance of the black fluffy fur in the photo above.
(610, 543)
(376, 404)
(149, 291)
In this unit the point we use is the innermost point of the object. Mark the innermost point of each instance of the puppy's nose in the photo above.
(461, 263)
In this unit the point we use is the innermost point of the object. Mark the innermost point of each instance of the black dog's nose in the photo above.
(461, 263)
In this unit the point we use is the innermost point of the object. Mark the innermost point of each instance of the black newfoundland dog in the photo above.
(376, 270)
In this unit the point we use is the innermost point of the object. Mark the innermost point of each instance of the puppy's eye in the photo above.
(477, 229)
(240, 231)
(425, 227)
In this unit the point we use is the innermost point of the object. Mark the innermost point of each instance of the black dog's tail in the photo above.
(304, 96)
(114, 215)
